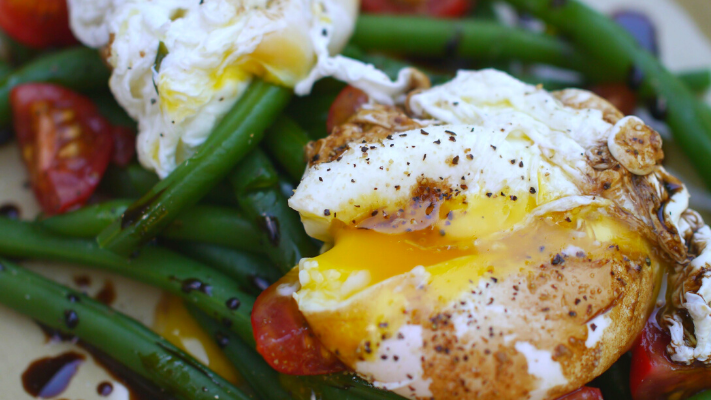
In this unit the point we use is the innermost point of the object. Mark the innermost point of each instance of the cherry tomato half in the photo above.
(344, 106)
(654, 376)
(584, 393)
(433, 8)
(283, 336)
(65, 143)
(37, 23)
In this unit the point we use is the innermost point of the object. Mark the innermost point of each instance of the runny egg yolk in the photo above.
(465, 241)
(174, 322)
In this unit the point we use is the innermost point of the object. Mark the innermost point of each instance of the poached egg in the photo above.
(487, 239)
(179, 66)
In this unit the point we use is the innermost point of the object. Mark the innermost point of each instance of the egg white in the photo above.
(514, 143)
(214, 49)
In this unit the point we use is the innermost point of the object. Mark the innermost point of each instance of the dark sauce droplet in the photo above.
(107, 294)
(673, 187)
(49, 377)
(105, 389)
(658, 108)
(233, 303)
(270, 225)
(640, 27)
(71, 319)
(195, 284)
(135, 213)
(10, 211)
(222, 340)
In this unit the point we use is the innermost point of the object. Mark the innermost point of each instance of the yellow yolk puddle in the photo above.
(174, 322)
(456, 253)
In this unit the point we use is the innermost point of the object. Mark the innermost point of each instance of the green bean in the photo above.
(392, 66)
(235, 136)
(250, 365)
(705, 395)
(273, 385)
(134, 181)
(211, 291)
(206, 224)
(78, 68)
(111, 110)
(285, 142)
(255, 183)
(697, 81)
(311, 112)
(617, 53)
(469, 38)
(120, 337)
(5, 70)
(252, 272)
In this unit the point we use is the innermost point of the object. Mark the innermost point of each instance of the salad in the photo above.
(329, 199)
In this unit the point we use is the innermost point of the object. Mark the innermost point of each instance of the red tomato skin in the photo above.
(348, 101)
(283, 336)
(432, 8)
(584, 393)
(654, 376)
(37, 23)
(46, 118)
(124, 145)
(619, 95)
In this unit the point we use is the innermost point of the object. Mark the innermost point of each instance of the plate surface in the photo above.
(683, 45)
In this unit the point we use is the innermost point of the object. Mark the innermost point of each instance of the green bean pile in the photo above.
(218, 230)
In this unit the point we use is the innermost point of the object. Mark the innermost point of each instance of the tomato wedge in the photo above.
(65, 143)
(654, 376)
(584, 393)
(432, 8)
(283, 336)
(37, 23)
(348, 101)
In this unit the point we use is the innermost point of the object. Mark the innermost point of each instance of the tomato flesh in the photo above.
(432, 8)
(584, 393)
(348, 101)
(37, 23)
(283, 336)
(65, 143)
(655, 377)
(619, 95)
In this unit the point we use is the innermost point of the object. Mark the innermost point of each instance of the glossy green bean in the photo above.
(253, 273)
(255, 183)
(211, 291)
(470, 38)
(285, 142)
(204, 224)
(236, 135)
(122, 338)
